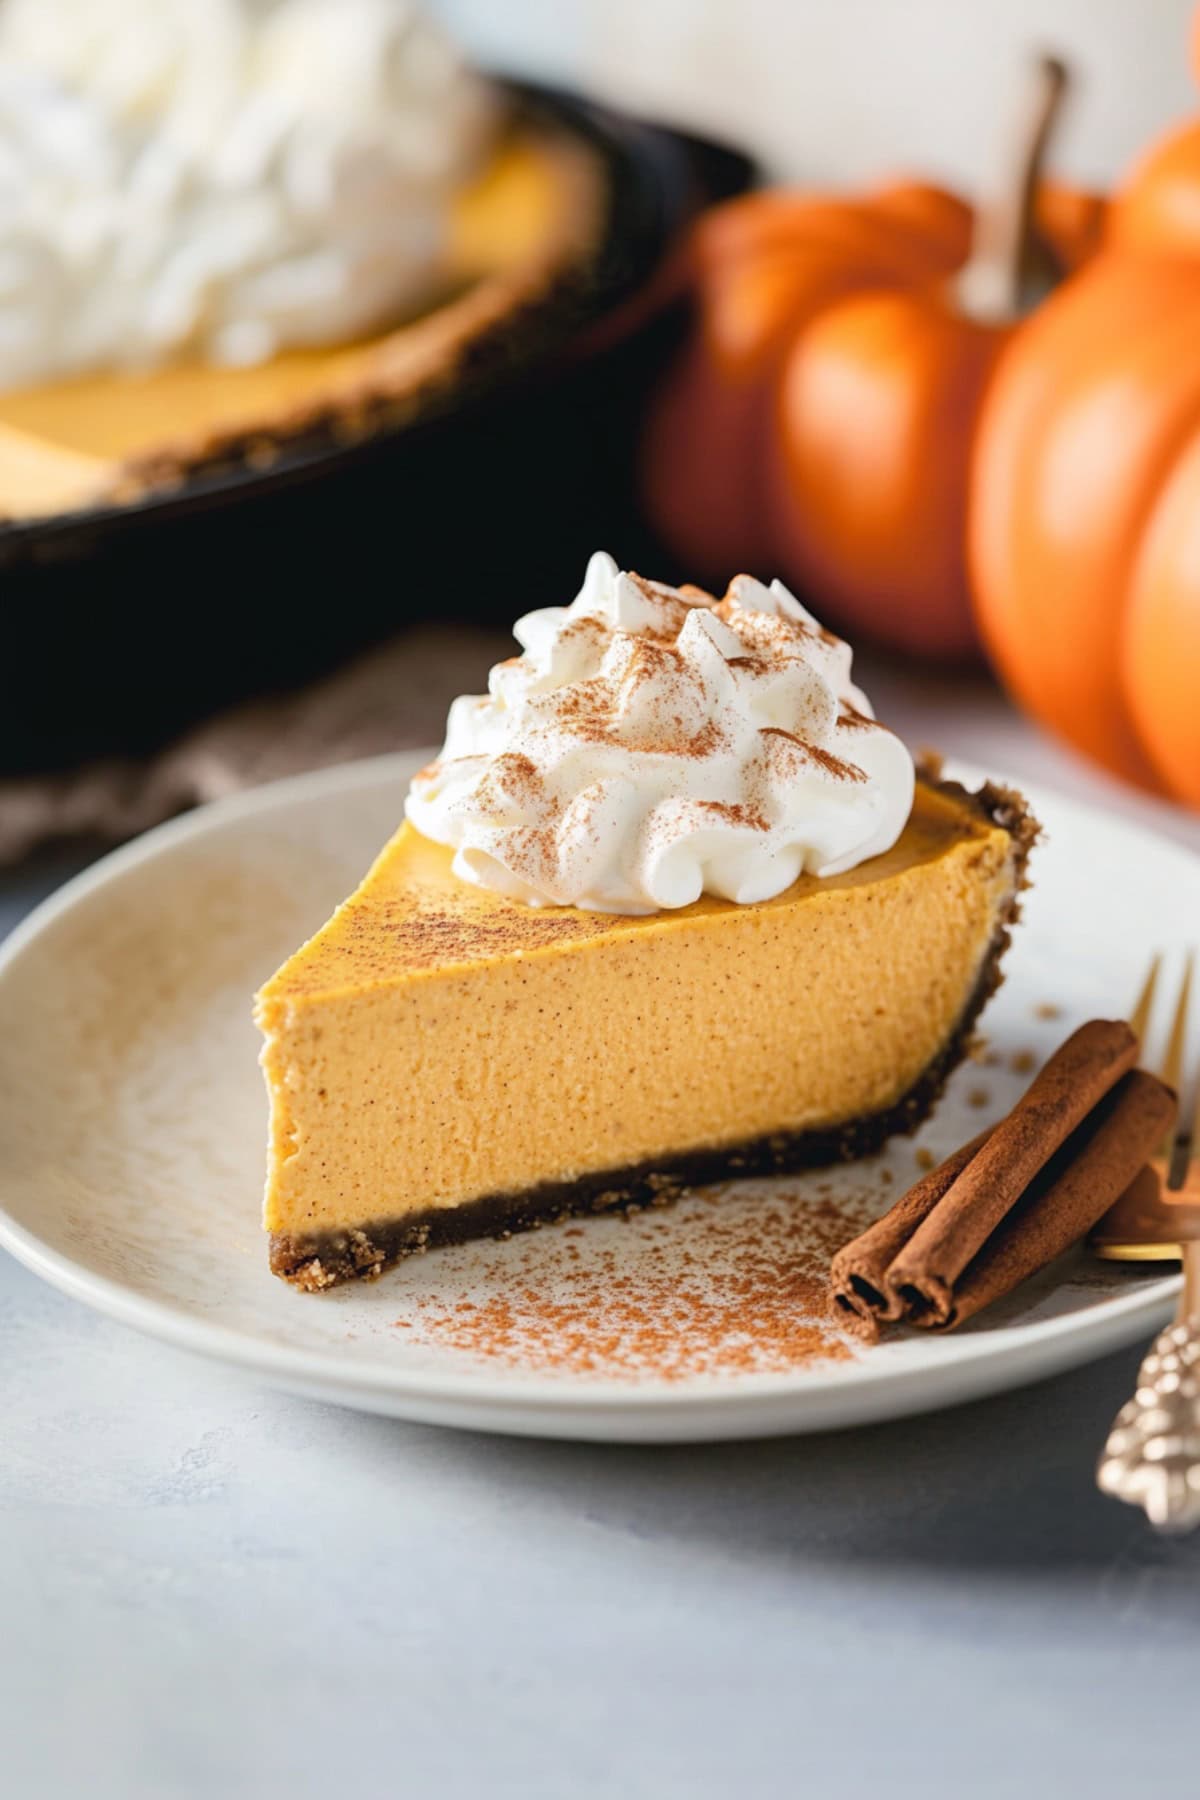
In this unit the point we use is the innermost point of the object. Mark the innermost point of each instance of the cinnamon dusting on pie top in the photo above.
(412, 913)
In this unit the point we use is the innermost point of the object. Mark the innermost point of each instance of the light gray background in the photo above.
(851, 90)
(209, 1591)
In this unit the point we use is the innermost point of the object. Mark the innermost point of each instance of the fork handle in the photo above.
(1152, 1457)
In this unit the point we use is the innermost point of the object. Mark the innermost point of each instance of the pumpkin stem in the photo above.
(1005, 272)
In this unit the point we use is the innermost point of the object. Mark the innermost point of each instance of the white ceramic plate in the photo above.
(132, 1126)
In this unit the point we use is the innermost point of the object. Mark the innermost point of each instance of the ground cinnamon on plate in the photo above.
(730, 1282)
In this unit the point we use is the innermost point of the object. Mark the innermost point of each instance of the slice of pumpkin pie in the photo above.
(669, 906)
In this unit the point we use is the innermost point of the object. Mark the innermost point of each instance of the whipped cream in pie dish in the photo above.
(652, 744)
(221, 178)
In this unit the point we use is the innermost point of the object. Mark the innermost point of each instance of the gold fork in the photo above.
(1152, 1456)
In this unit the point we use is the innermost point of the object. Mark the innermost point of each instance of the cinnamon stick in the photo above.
(922, 1277)
(1076, 1188)
(858, 1272)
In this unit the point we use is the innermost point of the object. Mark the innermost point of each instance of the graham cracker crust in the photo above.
(321, 1260)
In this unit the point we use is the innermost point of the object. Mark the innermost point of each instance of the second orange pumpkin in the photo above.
(819, 422)
(1085, 530)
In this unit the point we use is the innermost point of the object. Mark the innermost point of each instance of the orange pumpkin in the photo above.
(819, 421)
(1157, 212)
(1157, 209)
(1084, 535)
(767, 270)
(1083, 560)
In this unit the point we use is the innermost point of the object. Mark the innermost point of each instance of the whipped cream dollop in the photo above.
(220, 178)
(652, 744)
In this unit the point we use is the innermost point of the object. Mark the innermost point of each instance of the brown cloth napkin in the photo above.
(394, 698)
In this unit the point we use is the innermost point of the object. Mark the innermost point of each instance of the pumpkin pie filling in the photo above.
(445, 1063)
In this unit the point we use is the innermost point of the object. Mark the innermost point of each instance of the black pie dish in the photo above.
(125, 624)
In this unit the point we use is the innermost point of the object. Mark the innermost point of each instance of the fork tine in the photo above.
(1172, 1065)
(1177, 1145)
(1179, 1150)
(1139, 1018)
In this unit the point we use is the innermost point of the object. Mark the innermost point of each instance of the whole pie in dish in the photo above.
(690, 916)
(239, 227)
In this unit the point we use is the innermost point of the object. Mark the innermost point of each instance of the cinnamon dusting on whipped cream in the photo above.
(655, 743)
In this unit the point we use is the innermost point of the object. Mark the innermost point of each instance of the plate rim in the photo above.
(500, 1396)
